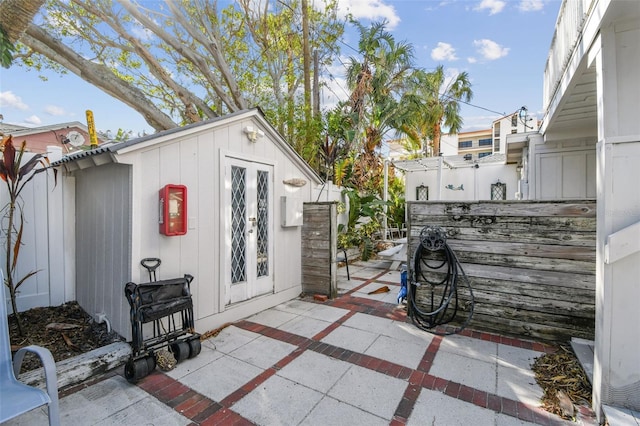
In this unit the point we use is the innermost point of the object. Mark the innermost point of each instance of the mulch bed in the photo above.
(77, 334)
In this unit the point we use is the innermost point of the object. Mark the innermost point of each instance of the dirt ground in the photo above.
(76, 332)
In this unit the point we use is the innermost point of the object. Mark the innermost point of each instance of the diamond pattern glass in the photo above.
(262, 260)
(498, 191)
(422, 193)
(238, 225)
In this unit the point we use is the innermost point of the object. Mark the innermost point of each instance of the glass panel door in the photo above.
(248, 227)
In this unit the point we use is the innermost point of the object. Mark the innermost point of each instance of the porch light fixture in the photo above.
(253, 134)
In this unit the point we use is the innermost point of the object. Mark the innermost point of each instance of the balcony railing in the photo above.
(571, 19)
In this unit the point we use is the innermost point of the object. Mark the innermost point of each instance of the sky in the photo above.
(501, 44)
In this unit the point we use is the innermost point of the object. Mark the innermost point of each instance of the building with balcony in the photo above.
(589, 146)
(475, 144)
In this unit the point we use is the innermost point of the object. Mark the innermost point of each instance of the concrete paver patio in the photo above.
(354, 360)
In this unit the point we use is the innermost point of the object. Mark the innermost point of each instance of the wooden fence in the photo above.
(319, 246)
(531, 264)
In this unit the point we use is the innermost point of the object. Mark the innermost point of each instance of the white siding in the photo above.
(564, 170)
(196, 159)
(45, 244)
(103, 241)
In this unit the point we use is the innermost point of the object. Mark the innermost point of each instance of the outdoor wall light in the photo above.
(252, 133)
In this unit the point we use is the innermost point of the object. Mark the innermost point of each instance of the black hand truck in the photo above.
(166, 306)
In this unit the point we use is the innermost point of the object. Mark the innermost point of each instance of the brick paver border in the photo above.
(205, 411)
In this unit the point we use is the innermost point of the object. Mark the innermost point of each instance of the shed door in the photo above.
(248, 230)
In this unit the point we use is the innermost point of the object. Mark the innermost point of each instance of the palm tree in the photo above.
(443, 105)
(376, 81)
(417, 127)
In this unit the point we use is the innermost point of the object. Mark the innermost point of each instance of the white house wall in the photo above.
(475, 181)
(563, 170)
(195, 159)
(616, 56)
(592, 91)
(103, 241)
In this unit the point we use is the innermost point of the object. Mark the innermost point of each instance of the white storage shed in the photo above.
(235, 212)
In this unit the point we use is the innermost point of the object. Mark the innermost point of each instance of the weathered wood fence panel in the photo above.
(531, 264)
(319, 247)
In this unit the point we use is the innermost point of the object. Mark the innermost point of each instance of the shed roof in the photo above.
(24, 131)
(113, 148)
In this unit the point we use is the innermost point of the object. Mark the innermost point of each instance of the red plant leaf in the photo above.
(34, 161)
(8, 159)
(16, 247)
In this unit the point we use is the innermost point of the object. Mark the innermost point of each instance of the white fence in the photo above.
(46, 246)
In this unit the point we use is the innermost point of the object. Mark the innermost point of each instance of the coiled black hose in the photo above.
(444, 292)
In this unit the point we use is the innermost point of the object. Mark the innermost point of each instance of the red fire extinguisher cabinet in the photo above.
(173, 210)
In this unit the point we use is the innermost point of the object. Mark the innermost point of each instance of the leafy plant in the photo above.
(16, 176)
(7, 49)
(396, 197)
(364, 212)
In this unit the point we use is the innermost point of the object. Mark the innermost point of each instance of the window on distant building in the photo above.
(465, 144)
(422, 193)
(514, 120)
(483, 154)
(496, 137)
(498, 191)
(484, 142)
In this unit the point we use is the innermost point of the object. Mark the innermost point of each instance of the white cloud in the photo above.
(472, 60)
(444, 52)
(34, 119)
(9, 100)
(54, 110)
(494, 6)
(375, 10)
(478, 122)
(530, 5)
(490, 50)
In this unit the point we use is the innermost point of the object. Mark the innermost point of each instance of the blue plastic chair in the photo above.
(16, 398)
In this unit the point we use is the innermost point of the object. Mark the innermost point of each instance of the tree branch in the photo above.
(198, 60)
(98, 75)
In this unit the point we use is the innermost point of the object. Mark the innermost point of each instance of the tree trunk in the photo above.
(316, 84)
(16, 15)
(306, 62)
(437, 134)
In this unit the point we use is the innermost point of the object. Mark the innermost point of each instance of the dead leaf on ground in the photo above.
(61, 326)
(563, 382)
(384, 289)
(565, 404)
(70, 343)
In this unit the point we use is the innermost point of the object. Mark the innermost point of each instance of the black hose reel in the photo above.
(438, 287)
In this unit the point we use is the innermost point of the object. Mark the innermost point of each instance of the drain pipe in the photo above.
(102, 318)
